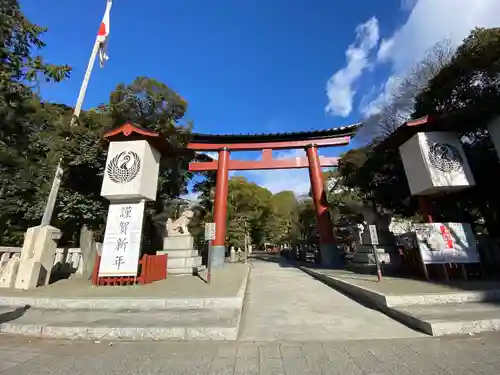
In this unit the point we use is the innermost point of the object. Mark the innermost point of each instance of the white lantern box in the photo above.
(494, 130)
(131, 171)
(435, 162)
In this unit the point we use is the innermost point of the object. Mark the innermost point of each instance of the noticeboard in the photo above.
(446, 243)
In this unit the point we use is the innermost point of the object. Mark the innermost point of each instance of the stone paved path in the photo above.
(285, 304)
(479, 355)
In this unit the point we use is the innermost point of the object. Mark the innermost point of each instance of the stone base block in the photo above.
(181, 242)
(183, 262)
(217, 256)
(186, 271)
(8, 273)
(364, 259)
(370, 258)
(179, 253)
(331, 256)
(30, 275)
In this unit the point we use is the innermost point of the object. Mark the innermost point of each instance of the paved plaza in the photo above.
(285, 304)
(422, 356)
(291, 324)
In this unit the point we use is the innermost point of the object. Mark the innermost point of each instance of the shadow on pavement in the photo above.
(14, 314)
(272, 258)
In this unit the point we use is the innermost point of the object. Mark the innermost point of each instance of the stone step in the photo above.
(451, 318)
(93, 324)
(180, 253)
(186, 270)
(173, 263)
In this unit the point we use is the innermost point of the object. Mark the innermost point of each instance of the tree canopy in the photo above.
(461, 88)
(35, 134)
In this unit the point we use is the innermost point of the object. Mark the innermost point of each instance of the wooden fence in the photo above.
(151, 268)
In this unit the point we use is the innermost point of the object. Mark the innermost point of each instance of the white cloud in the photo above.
(191, 196)
(339, 88)
(370, 106)
(429, 22)
(214, 155)
(384, 49)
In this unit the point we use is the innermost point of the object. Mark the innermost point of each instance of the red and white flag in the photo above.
(102, 35)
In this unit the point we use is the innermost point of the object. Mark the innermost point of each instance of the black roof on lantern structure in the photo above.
(343, 131)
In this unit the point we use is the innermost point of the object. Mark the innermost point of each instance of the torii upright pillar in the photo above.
(218, 251)
(328, 250)
(225, 144)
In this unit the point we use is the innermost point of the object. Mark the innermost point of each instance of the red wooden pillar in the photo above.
(425, 208)
(220, 210)
(324, 222)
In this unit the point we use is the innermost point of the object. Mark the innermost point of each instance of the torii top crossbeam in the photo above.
(310, 141)
(267, 143)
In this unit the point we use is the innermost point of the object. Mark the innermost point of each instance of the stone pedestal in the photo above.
(364, 259)
(8, 272)
(37, 257)
(331, 256)
(88, 250)
(183, 259)
(232, 255)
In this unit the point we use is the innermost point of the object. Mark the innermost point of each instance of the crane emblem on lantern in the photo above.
(124, 167)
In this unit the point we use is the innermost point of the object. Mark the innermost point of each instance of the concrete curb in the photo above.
(389, 306)
(408, 300)
(241, 295)
(114, 333)
(129, 333)
(123, 303)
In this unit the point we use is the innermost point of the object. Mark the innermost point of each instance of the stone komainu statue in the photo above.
(179, 226)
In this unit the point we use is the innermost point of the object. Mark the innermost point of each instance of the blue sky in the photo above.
(252, 66)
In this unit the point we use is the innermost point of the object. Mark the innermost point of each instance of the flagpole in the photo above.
(56, 182)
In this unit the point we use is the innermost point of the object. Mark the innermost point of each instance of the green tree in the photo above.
(465, 94)
(282, 218)
(23, 130)
(248, 210)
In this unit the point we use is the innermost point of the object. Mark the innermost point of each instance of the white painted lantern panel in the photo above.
(435, 162)
(131, 171)
(122, 240)
(494, 130)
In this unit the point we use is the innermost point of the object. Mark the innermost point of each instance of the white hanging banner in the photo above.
(122, 240)
(446, 243)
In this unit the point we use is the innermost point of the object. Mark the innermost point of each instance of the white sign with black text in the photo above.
(209, 231)
(122, 240)
(373, 234)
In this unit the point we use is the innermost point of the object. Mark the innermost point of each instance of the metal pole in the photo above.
(246, 243)
(56, 182)
(209, 263)
(377, 262)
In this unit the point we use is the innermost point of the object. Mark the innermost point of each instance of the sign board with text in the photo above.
(373, 234)
(209, 231)
(122, 240)
(441, 243)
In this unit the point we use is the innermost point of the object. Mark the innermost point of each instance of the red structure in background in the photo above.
(267, 143)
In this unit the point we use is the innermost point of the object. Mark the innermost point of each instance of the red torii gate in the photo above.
(310, 141)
